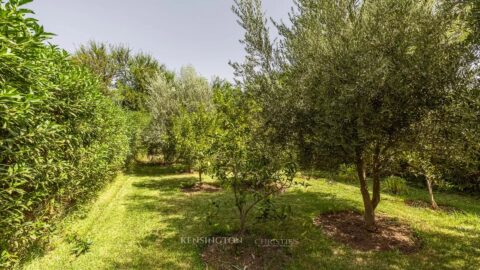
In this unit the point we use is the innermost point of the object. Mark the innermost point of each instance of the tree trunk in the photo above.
(241, 212)
(243, 219)
(369, 214)
(200, 176)
(430, 192)
(376, 178)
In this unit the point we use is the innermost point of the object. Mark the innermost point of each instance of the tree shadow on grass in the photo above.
(156, 170)
(439, 251)
(312, 203)
(463, 202)
(451, 202)
(165, 184)
(180, 216)
(186, 216)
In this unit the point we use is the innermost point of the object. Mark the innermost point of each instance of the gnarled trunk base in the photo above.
(369, 214)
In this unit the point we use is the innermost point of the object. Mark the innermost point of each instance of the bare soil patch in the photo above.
(348, 228)
(201, 187)
(246, 255)
(424, 204)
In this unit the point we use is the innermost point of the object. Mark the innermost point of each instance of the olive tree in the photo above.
(373, 69)
(360, 74)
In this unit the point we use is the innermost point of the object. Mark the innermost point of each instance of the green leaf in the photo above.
(24, 2)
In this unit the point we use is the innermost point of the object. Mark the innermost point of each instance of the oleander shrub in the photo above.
(60, 139)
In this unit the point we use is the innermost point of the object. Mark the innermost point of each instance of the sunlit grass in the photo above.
(138, 222)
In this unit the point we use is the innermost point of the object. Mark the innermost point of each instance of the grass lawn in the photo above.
(137, 223)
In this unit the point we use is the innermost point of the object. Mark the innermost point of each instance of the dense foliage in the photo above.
(367, 89)
(60, 138)
(218, 128)
(195, 133)
(171, 99)
(245, 160)
(125, 75)
(353, 80)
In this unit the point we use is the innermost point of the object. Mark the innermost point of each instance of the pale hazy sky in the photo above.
(203, 33)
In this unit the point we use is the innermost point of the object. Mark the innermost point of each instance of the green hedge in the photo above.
(60, 139)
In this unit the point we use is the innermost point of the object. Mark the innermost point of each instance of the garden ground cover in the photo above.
(138, 221)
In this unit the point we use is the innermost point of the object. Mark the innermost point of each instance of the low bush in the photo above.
(395, 185)
(347, 173)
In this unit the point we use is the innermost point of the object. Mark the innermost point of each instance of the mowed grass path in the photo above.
(138, 221)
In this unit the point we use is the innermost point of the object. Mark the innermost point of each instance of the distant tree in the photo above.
(97, 57)
(427, 151)
(125, 75)
(168, 99)
(194, 136)
(448, 139)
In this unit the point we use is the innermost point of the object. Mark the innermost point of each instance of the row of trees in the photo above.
(208, 127)
(377, 84)
(217, 128)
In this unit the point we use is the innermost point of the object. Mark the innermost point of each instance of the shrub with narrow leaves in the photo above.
(60, 139)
